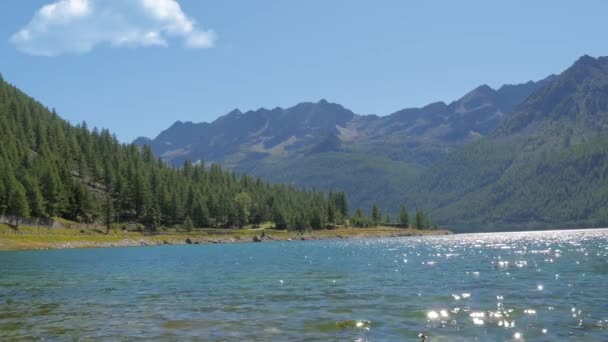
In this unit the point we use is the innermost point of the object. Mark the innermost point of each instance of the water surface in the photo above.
(539, 286)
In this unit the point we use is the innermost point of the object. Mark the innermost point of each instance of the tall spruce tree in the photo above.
(18, 206)
(404, 219)
(376, 215)
(34, 196)
(422, 221)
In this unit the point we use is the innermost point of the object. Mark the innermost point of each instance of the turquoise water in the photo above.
(539, 286)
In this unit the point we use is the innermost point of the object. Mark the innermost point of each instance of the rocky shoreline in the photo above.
(193, 239)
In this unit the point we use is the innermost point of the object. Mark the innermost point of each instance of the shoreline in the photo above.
(32, 238)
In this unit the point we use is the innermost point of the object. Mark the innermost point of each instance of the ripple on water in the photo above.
(340, 326)
(528, 286)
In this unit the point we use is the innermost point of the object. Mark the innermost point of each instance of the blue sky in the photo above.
(213, 56)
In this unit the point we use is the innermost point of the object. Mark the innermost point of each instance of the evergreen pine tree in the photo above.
(34, 196)
(200, 213)
(421, 220)
(300, 223)
(279, 218)
(4, 189)
(53, 192)
(387, 219)
(404, 220)
(17, 202)
(318, 218)
(108, 211)
(376, 215)
(243, 205)
(331, 212)
(188, 224)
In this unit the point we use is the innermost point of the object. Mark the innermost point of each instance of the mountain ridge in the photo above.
(188, 138)
(545, 165)
(325, 145)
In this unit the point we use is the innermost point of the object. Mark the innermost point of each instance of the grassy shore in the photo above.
(31, 238)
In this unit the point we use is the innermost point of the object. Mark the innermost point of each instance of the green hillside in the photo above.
(546, 165)
(371, 179)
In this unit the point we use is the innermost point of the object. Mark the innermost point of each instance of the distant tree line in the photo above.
(361, 220)
(50, 168)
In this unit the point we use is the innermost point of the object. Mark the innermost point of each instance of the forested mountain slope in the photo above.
(546, 165)
(49, 168)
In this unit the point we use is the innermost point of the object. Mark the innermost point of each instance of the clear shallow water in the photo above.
(539, 286)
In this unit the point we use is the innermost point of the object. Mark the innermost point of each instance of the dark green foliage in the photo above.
(53, 191)
(404, 219)
(17, 201)
(300, 223)
(376, 215)
(188, 224)
(318, 219)
(360, 220)
(4, 188)
(243, 208)
(546, 166)
(366, 178)
(84, 207)
(50, 168)
(199, 211)
(422, 221)
(34, 196)
(331, 213)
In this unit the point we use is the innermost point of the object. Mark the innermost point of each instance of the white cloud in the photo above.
(200, 40)
(77, 26)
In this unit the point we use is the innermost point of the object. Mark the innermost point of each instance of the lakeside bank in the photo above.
(37, 238)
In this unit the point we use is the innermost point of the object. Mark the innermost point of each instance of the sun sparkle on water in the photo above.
(494, 287)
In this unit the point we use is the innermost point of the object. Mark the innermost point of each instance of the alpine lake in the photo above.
(532, 286)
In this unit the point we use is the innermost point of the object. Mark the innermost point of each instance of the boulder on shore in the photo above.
(257, 238)
(189, 241)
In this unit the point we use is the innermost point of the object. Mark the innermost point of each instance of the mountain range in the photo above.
(524, 155)
(545, 165)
